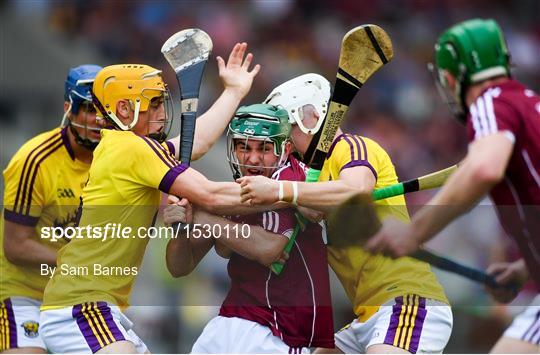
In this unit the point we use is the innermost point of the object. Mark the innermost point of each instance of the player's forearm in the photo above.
(221, 198)
(212, 123)
(179, 257)
(260, 245)
(463, 190)
(324, 196)
(222, 249)
(184, 254)
(224, 199)
(28, 252)
(483, 167)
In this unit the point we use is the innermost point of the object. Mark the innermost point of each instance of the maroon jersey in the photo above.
(514, 110)
(296, 305)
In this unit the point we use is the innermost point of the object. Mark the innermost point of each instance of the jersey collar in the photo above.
(338, 138)
(67, 144)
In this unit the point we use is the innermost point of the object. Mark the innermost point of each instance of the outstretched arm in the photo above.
(322, 196)
(222, 198)
(483, 167)
(237, 80)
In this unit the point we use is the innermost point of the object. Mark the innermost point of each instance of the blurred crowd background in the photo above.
(399, 107)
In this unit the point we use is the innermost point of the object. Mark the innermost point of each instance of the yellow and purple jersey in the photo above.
(119, 203)
(43, 184)
(369, 280)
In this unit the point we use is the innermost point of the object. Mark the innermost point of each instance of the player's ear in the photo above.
(122, 109)
(288, 148)
(450, 80)
(66, 106)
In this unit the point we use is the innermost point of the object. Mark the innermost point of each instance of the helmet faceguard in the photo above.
(293, 95)
(77, 93)
(453, 99)
(259, 122)
(142, 86)
(471, 51)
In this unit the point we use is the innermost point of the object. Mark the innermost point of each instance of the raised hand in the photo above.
(235, 75)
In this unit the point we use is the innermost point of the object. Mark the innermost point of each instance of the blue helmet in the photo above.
(78, 84)
(77, 92)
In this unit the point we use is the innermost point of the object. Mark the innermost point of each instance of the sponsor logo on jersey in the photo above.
(65, 193)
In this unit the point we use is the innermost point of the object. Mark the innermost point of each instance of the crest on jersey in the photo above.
(30, 329)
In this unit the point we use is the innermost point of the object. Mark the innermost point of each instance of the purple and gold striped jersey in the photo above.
(123, 193)
(43, 184)
(368, 280)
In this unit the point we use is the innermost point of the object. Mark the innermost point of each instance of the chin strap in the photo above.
(462, 116)
(309, 154)
(158, 136)
(83, 142)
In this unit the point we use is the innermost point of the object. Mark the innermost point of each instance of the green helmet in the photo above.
(259, 122)
(472, 51)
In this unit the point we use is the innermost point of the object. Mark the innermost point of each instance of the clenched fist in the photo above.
(177, 211)
(258, 190)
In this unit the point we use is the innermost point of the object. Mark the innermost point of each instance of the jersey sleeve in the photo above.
(279, 222)
(24, 194)
(352, 151)
(154, 166)
(490, 114)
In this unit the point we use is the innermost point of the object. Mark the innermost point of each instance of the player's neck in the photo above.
(303, 149)
(339, 132)
(476, 90)
(81, 153)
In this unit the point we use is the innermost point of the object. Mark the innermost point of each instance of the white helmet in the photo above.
(293, 95)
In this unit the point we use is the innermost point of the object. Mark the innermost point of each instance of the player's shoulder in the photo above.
(126, 141)
(126, 148)
(39, 147)
(120, 138)
(292, 170)
(357, 145)
(508, 93)
(511, 89)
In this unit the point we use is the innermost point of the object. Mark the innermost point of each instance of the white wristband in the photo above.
(280, 193)
(295, 192)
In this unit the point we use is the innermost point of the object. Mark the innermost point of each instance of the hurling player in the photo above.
(43, 184)
(401, 307)
(132, 165)
(503, 160)
(264, 312)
